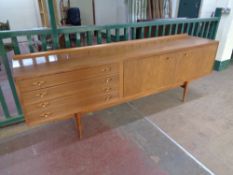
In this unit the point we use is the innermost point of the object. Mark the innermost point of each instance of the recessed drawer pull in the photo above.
(107, 89)
(106, 69)
(41, 95)
(45, 115)
(108, 80)
(44, 104)
(38, 83)
(167, 58)
(185, 54)
(108, 98)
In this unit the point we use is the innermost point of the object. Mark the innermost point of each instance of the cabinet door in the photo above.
(195, 62)
(149, 74)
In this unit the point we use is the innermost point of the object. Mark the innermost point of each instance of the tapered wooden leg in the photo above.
(185, 92)
(78, 124)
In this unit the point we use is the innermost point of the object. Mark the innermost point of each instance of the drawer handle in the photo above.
(108, 98)
(41, 95)
(108, 80)
(38, 83)
(167, 58)
(44, 104)
(107, 89)
(185, 54)
(106, 69)
(46, 114)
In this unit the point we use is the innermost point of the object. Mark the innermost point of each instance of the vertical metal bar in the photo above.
(170, 29)
(142, 32)
(188, 28)
(126, 36)
(164, 27)
(53, 24)
(117, 33)
(15, 45)
(156, 30)
(182, 28)
(29, 37)
(149, 32)
(207, 30)
(99, 37)
(108, 35)
(193, 28)
(4, 105)
(134, 33)
(78, 39)
(203, 29)
(198, 29)
(9, 76)
(43, 41)
(89, 38)
(176, 29)
(67, 40)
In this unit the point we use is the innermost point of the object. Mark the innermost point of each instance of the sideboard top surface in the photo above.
(56, 61)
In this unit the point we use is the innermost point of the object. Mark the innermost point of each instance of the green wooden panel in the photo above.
(207, 30)
(203, 29)
(67, 40)
(126, 36)
(89, 38)
(43, 42)
(15, 45)
(9, 76)
(108, 35)
(78, 39)
(156, 30)
(170, 29)
(176, 28)
(3, 104)
(117, 33)
(29, 37)
(142, 32)
(149, 32)
(164, 28)
(188, 28)
(182, 28)
(12, 120)
(134, 32)
(193, 29)
(99, 37)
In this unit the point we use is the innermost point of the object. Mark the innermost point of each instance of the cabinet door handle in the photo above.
(107, 89)
(106, 69)
(41, 95)
(44, 104)
(108, 80)
(46, 114)
(108, 98)
(38, 83)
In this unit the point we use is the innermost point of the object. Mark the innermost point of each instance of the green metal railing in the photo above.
(66, 37)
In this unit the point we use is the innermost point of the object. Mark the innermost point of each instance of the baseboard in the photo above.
(221, 65)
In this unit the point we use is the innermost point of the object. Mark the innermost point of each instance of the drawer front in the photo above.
(61, 78)
(68, 106)
(85, 88)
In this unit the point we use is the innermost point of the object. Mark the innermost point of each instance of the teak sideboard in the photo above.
(67, 83)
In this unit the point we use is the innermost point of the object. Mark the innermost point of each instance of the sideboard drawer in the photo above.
(85, 87)
(68, 106)
(60, 78)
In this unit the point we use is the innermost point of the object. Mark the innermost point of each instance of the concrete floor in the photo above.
(134, 138)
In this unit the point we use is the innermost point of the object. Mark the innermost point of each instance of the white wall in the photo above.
(225, 33)
(110, 12)
(22, 14)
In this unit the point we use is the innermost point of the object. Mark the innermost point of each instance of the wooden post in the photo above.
(185, 92)
(78, 124)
